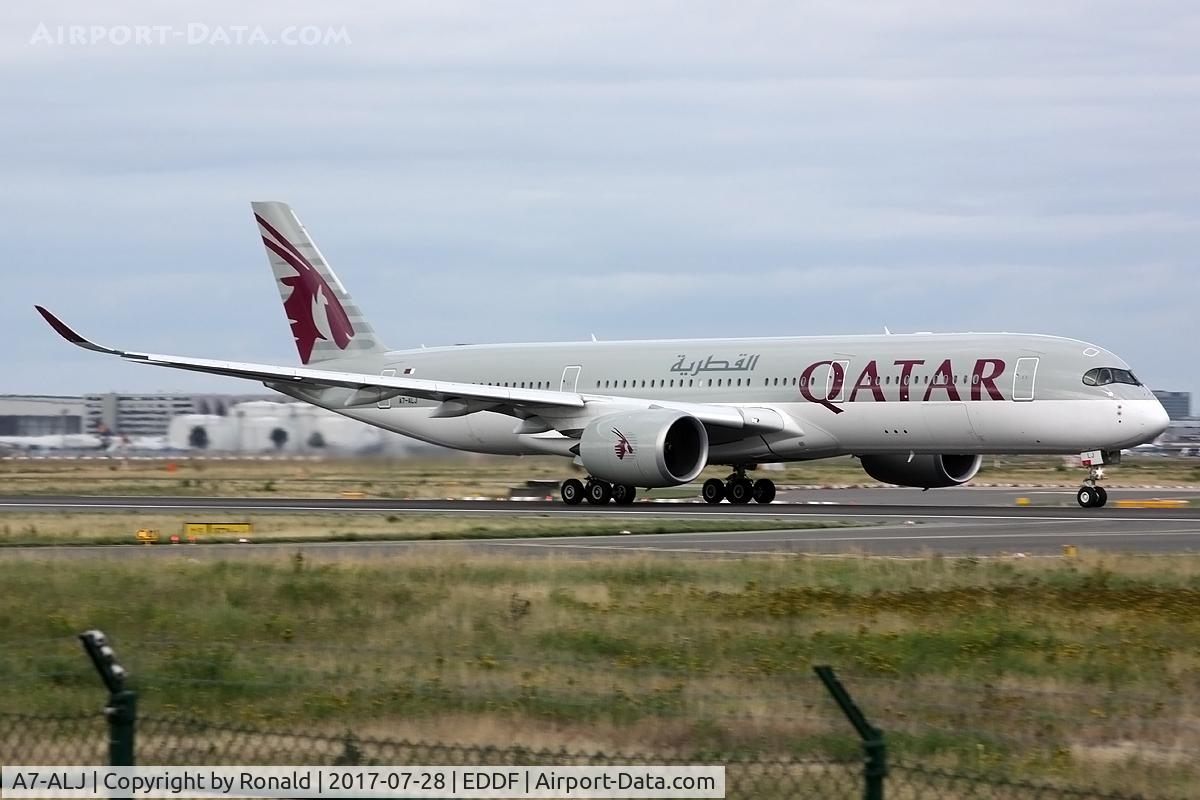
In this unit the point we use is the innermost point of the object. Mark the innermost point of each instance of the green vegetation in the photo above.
(1083, 670)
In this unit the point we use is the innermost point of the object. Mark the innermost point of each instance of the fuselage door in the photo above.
(570, 379)
(385, 402)
(1024, 378)
(827, 380)
(835, 389)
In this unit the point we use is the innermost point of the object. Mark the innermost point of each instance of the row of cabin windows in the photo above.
(520, 384)
(811, 381)
(673, 383)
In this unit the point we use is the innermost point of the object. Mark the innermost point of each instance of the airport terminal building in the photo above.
(214, 423)
(40, 415)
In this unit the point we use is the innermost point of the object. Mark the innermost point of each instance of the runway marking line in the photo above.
(843, 512)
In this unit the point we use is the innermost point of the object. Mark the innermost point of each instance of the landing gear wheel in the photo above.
(1101, 497)
(598, 492)
(739, 490)
(713, 491)
(764, 490)
(623, 494)
(572, 491)
(1088, 496)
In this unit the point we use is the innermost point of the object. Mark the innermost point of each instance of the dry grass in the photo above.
(120, 527)
(473, 476)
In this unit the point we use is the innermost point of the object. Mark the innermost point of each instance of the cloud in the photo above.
(480, 172)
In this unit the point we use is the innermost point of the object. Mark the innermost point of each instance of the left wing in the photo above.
(456, 398)
(380, 386)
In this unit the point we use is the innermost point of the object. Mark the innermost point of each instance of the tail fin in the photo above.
(325, 321)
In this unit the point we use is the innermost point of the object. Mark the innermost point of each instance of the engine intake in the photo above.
(923, 472)
(651, 448)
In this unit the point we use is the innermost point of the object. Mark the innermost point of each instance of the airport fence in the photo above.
(83, 739)
(119, 737)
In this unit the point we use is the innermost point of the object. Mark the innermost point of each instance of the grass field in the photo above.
(477, 476)
(119, 527)
(1085, 670)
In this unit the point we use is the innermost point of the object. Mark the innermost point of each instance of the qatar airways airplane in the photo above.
(917, 410)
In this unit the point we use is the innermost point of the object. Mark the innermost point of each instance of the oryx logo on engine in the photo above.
(622, 448)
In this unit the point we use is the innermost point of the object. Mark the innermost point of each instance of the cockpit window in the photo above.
(1102, 376)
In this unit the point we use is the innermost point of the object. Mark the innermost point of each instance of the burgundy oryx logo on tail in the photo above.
(312, 308)
(622, 448)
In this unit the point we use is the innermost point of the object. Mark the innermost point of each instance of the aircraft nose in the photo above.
(1153, 418)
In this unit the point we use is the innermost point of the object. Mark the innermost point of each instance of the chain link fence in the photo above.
(83, 739)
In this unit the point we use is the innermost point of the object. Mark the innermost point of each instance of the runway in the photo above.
(986, 528)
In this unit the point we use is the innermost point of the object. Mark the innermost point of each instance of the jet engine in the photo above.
(651, 448)
(924, 472)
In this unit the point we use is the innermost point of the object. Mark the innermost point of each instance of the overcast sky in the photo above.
(482, 172)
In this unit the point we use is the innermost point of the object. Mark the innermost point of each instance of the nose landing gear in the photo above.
(1092, 494)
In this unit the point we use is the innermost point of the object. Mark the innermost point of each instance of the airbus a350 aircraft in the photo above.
(917, 410)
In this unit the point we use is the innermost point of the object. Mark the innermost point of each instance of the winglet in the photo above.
(63, 330)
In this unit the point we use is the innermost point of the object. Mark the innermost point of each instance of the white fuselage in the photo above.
(920, 393)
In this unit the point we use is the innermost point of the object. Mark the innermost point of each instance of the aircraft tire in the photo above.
(764, 491)
(713, 491)
(1101, 497)
(623, 494)
(1087, 497)
(572, 491)
(598, 493)
(740, 491)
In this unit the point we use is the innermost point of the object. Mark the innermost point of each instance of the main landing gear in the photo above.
(738, 489)
(596, 492)
(1091, 494)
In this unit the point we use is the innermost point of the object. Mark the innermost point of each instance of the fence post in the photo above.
(874, 747)
(122, 717)
(121, 710)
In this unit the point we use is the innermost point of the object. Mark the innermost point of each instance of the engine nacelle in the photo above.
(923, 472)
(652, 448)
